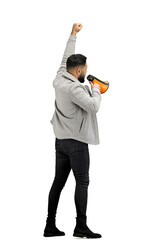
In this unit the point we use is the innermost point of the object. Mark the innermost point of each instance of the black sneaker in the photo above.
(52, 232)
(84, 231)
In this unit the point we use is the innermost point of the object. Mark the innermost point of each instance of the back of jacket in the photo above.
(75, 105)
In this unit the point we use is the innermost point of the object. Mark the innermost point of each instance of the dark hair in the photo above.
(76, 60)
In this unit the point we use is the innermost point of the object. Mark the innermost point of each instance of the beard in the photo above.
(81, 79)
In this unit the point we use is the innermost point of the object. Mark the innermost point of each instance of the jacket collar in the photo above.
(70, 76)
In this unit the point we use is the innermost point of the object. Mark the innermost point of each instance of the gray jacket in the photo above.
(75, 105)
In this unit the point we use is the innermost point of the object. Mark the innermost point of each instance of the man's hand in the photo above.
(76, 28)
(95, 85)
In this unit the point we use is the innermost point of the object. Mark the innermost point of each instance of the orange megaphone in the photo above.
(103, 85)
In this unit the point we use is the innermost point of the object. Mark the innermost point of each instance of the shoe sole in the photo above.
(52, 235)
(82, 235)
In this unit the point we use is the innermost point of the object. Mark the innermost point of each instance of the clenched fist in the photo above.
(95, 85)
(76, 28)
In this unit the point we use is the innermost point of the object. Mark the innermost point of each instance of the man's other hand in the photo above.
(76, 28)
(95, 85)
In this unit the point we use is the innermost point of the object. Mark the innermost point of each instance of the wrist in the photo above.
(96, 88)
(73, 33)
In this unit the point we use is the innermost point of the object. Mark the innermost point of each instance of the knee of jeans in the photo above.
(82, 179)
(59, 182)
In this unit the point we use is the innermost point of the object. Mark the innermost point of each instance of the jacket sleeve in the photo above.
(69, 50)
(89, 103)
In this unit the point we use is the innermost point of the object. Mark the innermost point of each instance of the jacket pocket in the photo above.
(82, 127)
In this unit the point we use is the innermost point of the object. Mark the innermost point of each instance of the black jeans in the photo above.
(70, 154)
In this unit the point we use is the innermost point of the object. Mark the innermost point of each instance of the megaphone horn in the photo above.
(104, 85)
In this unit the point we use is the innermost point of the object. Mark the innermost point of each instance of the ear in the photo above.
(78, 70)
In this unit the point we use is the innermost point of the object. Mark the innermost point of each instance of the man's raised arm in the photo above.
(70, 47)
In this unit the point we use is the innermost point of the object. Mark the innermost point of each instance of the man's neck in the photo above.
(75, 75)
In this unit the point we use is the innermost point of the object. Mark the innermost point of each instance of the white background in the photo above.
(121, 41)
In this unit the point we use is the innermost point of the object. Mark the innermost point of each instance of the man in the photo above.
(75, 126)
